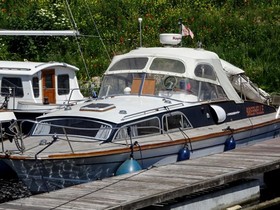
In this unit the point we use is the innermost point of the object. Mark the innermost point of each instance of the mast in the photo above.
(39, 33)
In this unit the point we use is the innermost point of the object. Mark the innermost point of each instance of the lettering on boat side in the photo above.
(254, 110)
(176, 38)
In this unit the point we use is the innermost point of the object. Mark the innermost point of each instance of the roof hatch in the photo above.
(97, 107)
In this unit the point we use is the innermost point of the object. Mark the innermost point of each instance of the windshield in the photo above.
(73, 126)
(162, 85)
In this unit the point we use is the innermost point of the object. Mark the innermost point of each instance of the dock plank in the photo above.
(159, 184)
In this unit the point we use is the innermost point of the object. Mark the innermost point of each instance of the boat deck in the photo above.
(159, 184)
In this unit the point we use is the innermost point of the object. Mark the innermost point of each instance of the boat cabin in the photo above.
(27, 84)
(167, 72)
(185, 74)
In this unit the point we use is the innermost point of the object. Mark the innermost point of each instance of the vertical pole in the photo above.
(2, 138)
(140, 30)
(180, 30)
(180, 25)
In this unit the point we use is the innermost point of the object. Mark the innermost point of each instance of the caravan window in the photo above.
(11, 86)
(63, 84)
(35, 85)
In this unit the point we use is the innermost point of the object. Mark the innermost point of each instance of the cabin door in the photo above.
(48, 81)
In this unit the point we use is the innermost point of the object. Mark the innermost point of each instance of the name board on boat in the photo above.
(254, 110)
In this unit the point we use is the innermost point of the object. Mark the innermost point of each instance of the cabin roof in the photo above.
(116, 109)
(30, 68)
(189, 56)
(183, 53)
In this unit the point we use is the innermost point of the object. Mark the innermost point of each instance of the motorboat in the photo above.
(31, 89)
(156, 106)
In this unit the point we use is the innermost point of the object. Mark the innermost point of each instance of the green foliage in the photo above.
(243, 32)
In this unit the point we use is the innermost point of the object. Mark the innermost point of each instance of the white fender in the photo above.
(220, 112)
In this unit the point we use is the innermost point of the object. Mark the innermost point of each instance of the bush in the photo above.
(245, 33)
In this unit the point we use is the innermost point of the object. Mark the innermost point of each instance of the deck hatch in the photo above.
(97, 107)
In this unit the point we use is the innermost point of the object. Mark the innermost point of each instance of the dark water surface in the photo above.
(11, 189)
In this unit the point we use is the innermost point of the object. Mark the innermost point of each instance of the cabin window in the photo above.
(35, 85)
(167, 65)
(115, 84)
(207, 91)
(175, 121)
(201, 91)
(142, 128)
(130, 64)
(73, 126)
(205, 71)
(63, 84)
(12, 86)
(49, 81)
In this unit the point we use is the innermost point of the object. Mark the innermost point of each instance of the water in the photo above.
(12, 189)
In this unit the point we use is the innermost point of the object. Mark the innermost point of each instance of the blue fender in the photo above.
(128, 166)
(230, 144)
(183, 154)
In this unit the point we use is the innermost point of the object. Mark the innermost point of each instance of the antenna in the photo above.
(140, 29)
(180, 25)
(180, 29)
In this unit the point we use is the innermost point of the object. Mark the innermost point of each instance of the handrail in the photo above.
(277, 113)
(69, 99)
(64, 135)
(2, 138)
(151, 110)
(68, 140)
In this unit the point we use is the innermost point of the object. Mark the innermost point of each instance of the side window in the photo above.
(130, 64)
(205, 71)
(63, 84)
(73, 126)
(35, 85)
(12, 86)
(174, 121)
(164, 64)
(143, 128)
(210, 91)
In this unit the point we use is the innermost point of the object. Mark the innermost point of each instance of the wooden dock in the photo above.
(160, 184)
